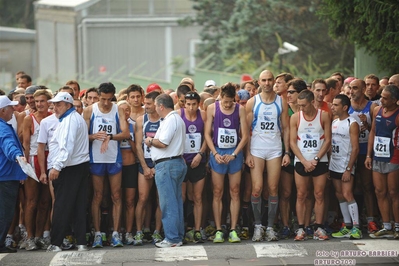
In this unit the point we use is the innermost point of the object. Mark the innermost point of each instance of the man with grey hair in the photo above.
(69, 173)
(167, 149)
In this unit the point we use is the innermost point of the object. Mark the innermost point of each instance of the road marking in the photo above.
(77, 258)
(279, 250)
(181, 253)
(374, 244)
(2, 256)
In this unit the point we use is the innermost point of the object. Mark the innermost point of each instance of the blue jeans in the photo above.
(169, 176)
(8, 199)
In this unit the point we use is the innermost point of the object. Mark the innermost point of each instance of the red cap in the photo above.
(153, 87)
(82, 93)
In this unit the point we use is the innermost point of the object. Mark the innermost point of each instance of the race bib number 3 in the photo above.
(193, 143)
(381, 147)
(227, 138)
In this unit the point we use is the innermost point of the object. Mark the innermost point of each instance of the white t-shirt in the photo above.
(171, 132)
(47, 128)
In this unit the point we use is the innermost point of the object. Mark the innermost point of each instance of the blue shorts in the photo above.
(233, 167)
(149, 163)
(102, 169)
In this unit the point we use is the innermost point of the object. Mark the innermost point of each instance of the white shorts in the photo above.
(267, 154)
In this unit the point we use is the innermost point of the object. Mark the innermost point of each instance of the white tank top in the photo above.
(109, 123)
(266, 126)
(34, 136)
(341, 147)
(125, 144)
(310, 137)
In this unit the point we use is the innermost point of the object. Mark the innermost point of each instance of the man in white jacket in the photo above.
(69, 173)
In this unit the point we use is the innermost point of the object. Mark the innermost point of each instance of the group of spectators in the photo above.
(300, 159)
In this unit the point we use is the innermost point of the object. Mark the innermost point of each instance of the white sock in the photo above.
(354, 212)
(115, 233)
(98, 233)
(46, 234)
(345, 212)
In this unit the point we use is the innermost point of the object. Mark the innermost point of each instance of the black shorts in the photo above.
(288, 169)
(130, 176)
(336, 175)
(321, 168)
(195, 174)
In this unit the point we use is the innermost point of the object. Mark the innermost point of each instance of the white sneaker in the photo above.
(258, 233)
(53, 248)
(271, 235)
(166, 244)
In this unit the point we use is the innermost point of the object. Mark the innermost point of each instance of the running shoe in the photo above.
(309, 232)
(129, 239)
(53, 248)
(210, 230)
(198, 237)
(244, 234)
(31, 244)
(396, 233)
(147, 235)
(98, 241)
(10, 243)
(342, 233)
(116, 241)
(285, 233)
(166, 244)
(372, 227)
(258, 233)
(383, 233)
(203, 234)
(271, 234)
(356, 233)
(300, 235)
(320, 234)
(138, 239)
(233, 237)
(189, 237)
(43, 242)
(218, 237)
(156, 237)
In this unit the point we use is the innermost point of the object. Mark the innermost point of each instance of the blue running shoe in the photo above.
(116, 241)
(98, 242)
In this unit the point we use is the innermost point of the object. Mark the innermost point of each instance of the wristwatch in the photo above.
(348, 168)
(233, 154)
(317, 159)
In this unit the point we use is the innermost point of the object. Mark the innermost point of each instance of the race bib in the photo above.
(193, 143)
(309, 143)
(381, 147)
(227, 138)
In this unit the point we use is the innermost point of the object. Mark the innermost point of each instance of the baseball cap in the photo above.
(82, 93)
(5, 101)
(209, 83)
(153, 87)
(243, 95)
(62, 96)
(349, 79)
(31, 89)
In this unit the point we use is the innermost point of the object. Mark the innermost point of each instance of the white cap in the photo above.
(5, 101)
(62, 96)
(209, 83)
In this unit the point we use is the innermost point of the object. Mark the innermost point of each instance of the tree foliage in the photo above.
(371, 24)
(17, 13)
(249, 33)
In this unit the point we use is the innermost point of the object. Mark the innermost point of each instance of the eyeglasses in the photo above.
(191, 95)
(291, 92)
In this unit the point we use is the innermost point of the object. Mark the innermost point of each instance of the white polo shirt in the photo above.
(171, 132)
(46, 132)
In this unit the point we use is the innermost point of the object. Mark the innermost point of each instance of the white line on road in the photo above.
(279, 250)
(375, 244)
(2, 256)
(66, 258)
(181, 253)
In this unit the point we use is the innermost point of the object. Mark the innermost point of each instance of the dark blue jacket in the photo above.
(10, 149)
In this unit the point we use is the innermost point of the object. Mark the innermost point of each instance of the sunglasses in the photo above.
(291, 92)
(191, 95)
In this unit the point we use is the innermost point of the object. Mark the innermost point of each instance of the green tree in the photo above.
(371, 24)
(251, 31)
(17, 13)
